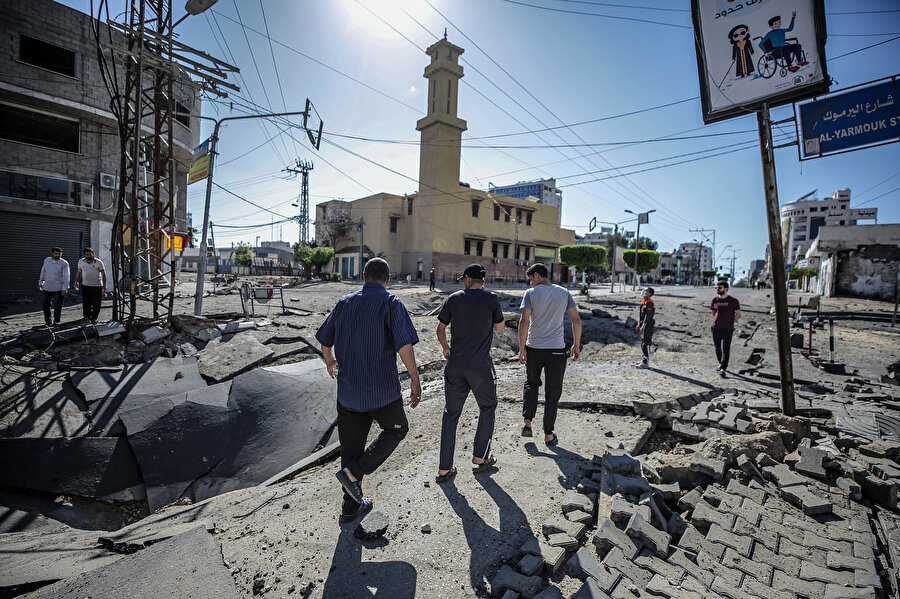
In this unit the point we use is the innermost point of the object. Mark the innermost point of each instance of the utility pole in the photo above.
(302, 168)
(733, 256)
(779, 291)
(642, 217)
(361, 224)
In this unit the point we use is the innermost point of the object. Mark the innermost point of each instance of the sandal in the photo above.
(552, 441)
(484, 466)
(442, 478)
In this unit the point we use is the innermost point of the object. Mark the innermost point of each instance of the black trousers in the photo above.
(458, 381)
(722, 339)
(56, 298)
(553, 363)
(431, 285)
(353, 430)
(90, 301)
(645, 343)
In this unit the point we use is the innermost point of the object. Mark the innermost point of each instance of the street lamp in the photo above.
(612, 247)
(643, 217)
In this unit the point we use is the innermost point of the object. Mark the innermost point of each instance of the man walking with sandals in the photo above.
(472, 315)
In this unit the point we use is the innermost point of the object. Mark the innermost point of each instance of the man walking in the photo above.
(54, 284)
(646, 324)
(366, 330)
(93, 283)
(542, 346)
(472, 314)
(431, 280)
(726, 312)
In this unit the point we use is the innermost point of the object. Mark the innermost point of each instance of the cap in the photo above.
(475, 271)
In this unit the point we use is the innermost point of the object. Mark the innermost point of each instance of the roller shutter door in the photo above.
(26, 240)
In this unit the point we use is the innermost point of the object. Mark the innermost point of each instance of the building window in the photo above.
(182, 114)
(479, 248)
(39, 129)
(527, 253)
(409, 206)
(394, 220)
(506, 250)
(496, 211)
(527, 221)
(843, 206)
(494, 249)
(518, 251)
(46, 56)
(467, 247)
(506, 212)
(45, 189)
(475, 204)
(813, 209)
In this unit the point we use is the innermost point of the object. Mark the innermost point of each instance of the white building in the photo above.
(802, 219)
(697, 252)
(542, 191)
(857, 261)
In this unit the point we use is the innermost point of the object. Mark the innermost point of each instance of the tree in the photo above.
(582, 257)
(192, 233)
(320, 257)
(799, 273)
(335, 223)
(645, 244)
(706, 274)
(243, 254)
(303, 254)
(647, 260)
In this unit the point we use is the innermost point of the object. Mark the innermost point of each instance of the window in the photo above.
(527, 221)
(39, 129)
(506, 212)
(45, 189)
(409, 206)
(843, 206)
(46, 56)
(506, 250)
(494, 249)
(394, 220)
(475, 204)
(479, 248)
(518, 251)
(467, 247)
(813, 209)
(182, 114)
(496, 211)
(527, 253)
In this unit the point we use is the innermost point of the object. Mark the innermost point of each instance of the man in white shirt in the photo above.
(542, 346)
(54, 283)
(93, 283)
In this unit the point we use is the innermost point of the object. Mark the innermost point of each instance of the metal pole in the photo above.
(778, 276)
(201, 259)
(615, 237)
(637, 245)
(361, 223)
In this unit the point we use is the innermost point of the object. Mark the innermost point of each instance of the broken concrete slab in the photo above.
(710, 467)
(45, 406)
(728, 448)
(95, 467)
(228, 356)
(154, 334)
(652, 409)
(187, 565)
(108, 393)
(142, 534)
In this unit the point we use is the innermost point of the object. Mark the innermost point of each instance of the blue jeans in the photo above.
(56, 297)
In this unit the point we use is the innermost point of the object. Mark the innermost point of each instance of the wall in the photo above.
(870, 271)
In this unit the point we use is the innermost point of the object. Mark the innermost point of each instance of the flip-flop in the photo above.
(552, 441)
(484, 466)
(442, 478)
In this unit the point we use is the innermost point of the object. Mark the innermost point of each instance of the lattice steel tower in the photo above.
(302, 168)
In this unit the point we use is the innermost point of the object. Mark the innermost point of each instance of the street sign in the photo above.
(787, 269)
(199, 169)
(852, 214)
(855, 119)
(644, 218)
(592, 225)
(606, 230)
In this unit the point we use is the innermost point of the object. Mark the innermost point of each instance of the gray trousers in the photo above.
(459, 379)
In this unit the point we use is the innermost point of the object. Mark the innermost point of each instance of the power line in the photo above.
(593, 14)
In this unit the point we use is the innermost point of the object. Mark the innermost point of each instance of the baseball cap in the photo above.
(475, 271)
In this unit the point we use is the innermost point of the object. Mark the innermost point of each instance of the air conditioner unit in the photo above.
(108, 181)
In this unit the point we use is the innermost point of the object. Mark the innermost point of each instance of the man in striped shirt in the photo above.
(362, 336)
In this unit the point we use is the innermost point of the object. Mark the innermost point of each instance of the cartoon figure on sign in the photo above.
(776, 44)
(741, 50)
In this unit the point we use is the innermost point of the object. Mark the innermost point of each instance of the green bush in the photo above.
(647, 260)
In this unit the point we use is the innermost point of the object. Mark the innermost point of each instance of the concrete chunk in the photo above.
(619, 461)
(507, 578)
(732, 413)
(556, 524)
(584, 565)
(530, 565)
(710, 467)
(576, 501)
(749, 468)
(561, 539)
(809, 502)
(652, 537)
(810, 462)
(372, 526)
(631, 485)
(226, 357)
(621, 510)
(608, 536)
(783, 476)
(553, 557)
(590, 590)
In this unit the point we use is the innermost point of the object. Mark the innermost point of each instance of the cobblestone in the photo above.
(631, 485)
(556, 523)
(763, 534)
(811, 503)
(705, 515)
(756, 495)
(788, 547)
(811, 571)
(842, 560)
(810, 463)
(758, 570)
(697, 543)
(553, 556)
(574, 500)
(716, 570)
(616, 560)
(781, 581)
(710, 467)
(530, 565)
(550, 593)
(659, 585)
(717, 497)
(585, 565)
(652, 537)
(690, 499)
(834, 591)
(724, 587)
(621, 510)
(609, 537)
(619, 461)
(672, 572)
(758, 589)
(590, 590)
(580, 517)
(507, 578)
(789, 564)
(783, 476)
(742, 545)
(865, 578)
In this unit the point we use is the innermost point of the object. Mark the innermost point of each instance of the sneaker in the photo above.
(642, 365)
(362, 509)
(48, 323)
(352, 487)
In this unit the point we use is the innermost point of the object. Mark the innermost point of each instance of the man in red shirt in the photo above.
(726, 312)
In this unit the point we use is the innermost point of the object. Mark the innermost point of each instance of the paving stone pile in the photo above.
(794, 526)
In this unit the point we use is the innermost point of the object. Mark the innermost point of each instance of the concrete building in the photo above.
(757, 271)
(860, 261)
(699, 256)
(446, 225)
(543, 191)
(59, 146)
(802, 219)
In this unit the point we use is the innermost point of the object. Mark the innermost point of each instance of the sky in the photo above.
(603, 96)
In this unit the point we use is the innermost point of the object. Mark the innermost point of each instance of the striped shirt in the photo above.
(366, 329)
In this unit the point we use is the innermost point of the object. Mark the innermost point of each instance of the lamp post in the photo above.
(214, 138)
(642, 217)
(612, 247)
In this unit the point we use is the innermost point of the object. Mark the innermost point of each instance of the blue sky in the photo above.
(526, 69)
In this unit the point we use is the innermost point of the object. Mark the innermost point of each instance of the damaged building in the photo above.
(860, 261)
